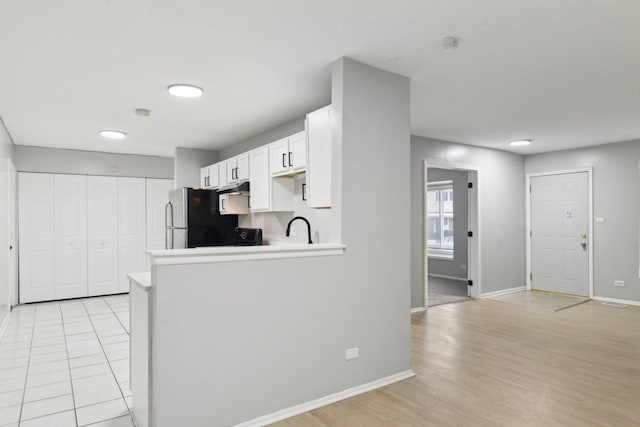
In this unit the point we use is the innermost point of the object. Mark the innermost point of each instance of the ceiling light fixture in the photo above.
(520, 142)
(113, 134)
(185, 91)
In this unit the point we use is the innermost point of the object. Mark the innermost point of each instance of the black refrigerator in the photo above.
(192, 219)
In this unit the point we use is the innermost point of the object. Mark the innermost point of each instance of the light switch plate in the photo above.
(599, 219)
(619, 283)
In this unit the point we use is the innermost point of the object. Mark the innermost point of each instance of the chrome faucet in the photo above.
(308, 227)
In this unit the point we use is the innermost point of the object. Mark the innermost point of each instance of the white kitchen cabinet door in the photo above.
(131, 229)
(230, 170)
(102, 235)
(242, 167)
(298, 148)
(319, 151)
(214, 176)
(36, 234)
(222, 174)
(70, 230)
(204, 177)
(279, 156)
(260, 179)
(157, 199)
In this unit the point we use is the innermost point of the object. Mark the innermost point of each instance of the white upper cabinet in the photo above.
(237, 169)
(288, 155)
(210, 176)
(268, 194)
(319, 151)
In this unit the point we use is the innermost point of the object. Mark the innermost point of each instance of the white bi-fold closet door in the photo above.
(81, 235)
(53, 236)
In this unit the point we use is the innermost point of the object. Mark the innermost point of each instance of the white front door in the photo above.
(559, 239)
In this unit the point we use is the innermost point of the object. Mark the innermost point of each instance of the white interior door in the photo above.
(559, 239)
(132, 239)
(103, 235)
(12, 268)
(36, 228)
(70, 228)
(157, 198)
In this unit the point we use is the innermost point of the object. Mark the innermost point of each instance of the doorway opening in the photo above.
(451, 233)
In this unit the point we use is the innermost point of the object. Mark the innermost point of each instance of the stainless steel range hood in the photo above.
(235, 188)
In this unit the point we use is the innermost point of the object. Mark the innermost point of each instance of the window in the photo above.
(440, 219)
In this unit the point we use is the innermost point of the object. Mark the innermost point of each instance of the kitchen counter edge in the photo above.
(242, 253)
(143, 280)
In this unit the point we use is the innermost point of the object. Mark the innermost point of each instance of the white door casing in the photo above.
(36, 228)
(132, 239)
(12, 223)
(560, 233)
(102, 235)
(70, 228)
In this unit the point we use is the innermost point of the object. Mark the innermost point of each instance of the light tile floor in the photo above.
(66, 363)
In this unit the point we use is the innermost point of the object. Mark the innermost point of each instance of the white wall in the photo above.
(616, 197)
(277, 330)
(453, 267)
(56, 160)
(502, 218)
(188, 162)
(6, 152)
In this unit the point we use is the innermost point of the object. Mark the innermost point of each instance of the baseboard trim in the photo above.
(326, 400)
(5, 324)
(503, 292)
(617, 301)
(418, 310)
(442, 276)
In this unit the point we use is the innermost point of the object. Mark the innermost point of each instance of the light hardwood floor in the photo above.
(487, 363)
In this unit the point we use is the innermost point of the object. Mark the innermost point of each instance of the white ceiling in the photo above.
(564, 73)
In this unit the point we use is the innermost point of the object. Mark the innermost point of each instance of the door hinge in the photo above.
(470, 282)
(529, 189)
(470, 185)
(530, 233)
(470, 233)
(530, 276)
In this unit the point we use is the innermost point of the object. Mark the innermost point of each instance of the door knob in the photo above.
(583, 235)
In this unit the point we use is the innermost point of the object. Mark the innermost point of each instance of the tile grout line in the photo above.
(26, 378)
(64, 334)
(109, 361)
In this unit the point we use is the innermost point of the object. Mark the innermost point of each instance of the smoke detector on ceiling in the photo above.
(449, 43)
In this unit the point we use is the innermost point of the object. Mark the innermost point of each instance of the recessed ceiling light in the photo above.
(185, 91)
(113, 134)
(520, 142)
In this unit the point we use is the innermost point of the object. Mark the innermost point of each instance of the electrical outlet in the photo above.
(618, 283)
(292, 230)
(463, 266)
(353, 353)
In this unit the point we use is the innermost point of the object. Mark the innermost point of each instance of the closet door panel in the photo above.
(103, 235)
(70, 236)
(131, 229)
(36, 234)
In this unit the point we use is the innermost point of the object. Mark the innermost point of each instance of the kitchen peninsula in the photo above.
(247, 336)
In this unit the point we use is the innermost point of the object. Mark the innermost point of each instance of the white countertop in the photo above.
(243, 253)
(142, 280)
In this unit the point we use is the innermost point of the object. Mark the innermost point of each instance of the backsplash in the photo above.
(274, 224)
